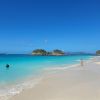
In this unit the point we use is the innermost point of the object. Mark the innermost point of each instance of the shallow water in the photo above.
(22, 66)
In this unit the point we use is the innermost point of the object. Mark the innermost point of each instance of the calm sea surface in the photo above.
(23, 65)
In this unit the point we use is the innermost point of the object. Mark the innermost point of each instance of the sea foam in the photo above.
(7, 92)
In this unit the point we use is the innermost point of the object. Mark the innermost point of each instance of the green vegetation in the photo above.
(57, 52)
(98, 52)
(39, 52)
(44, 52)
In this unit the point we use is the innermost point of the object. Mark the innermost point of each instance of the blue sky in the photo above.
(70, 25)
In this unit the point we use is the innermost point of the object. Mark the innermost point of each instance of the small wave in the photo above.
(8, 92)
(61, 68)
(77, 60)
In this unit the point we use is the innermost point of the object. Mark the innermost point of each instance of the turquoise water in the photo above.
(22, 66)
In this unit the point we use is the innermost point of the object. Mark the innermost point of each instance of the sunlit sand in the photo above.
(75, 83)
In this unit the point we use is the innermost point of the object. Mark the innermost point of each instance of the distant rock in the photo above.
(57, 52)
(44, 52)
(39, 52)
(98, 52)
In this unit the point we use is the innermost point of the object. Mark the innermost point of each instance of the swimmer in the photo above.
(7, 65)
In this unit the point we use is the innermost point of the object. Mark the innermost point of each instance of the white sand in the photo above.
(77, 83)
(97, 62)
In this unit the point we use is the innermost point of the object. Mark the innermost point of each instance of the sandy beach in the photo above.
(76, 83)
(49, 49)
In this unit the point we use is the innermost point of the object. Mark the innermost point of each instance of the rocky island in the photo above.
(43, 52)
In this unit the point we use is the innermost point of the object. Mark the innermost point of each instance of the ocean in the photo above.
(26, 66)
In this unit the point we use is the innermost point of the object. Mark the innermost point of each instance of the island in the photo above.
(43, 52)
(98, 52)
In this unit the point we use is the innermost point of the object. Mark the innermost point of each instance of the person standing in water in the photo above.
(81, 62)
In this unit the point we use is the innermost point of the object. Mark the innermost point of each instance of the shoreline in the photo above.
(66, 84)
(54, 70)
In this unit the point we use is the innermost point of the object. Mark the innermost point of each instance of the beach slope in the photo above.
(77, 83)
